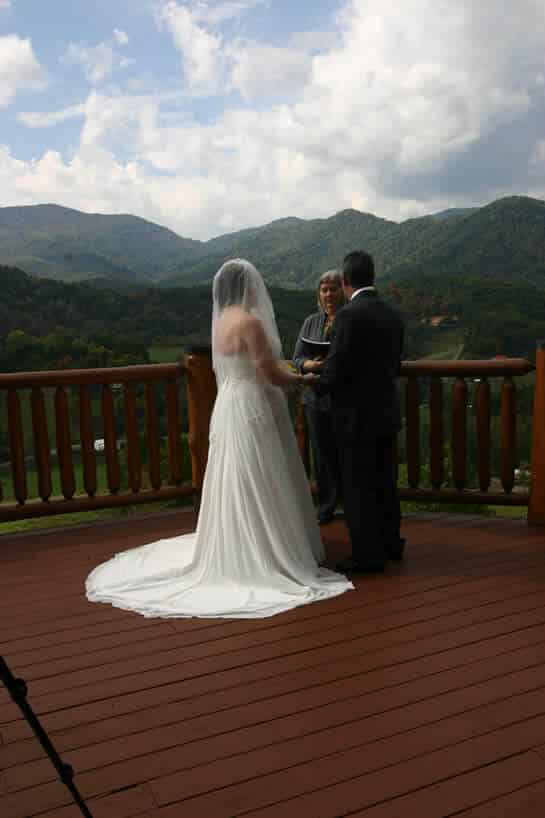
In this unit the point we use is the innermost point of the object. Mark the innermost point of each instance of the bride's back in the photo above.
(232, 356)
(244, 332)
(231, 331)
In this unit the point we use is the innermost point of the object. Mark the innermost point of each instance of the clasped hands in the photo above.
(311, 369)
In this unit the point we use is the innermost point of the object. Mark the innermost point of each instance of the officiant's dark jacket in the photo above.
(313, 329)
(361, 371)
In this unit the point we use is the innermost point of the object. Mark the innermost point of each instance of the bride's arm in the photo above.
(275, 371)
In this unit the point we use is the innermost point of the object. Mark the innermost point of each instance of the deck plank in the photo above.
(422, 692)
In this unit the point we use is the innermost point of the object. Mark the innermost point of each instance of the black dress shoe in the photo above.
(354, 566)
(394, 551)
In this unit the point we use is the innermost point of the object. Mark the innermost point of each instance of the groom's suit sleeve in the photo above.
(338, 366)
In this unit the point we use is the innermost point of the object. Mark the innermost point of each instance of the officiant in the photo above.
(310, 351)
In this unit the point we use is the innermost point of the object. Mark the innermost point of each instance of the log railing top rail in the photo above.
(106, 375)
(496, 367)
(150, 372)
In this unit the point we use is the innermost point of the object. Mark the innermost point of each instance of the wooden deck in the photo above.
(420, 695)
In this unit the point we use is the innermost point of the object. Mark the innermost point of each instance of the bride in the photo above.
(257, 548)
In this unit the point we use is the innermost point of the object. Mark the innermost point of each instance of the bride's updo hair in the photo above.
(231, 285)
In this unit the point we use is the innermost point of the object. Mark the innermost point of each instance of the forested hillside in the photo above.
(49, 324)
(488, 317)
(504, 240)
(61, 243)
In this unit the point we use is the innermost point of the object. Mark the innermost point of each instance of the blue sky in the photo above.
(212, 115)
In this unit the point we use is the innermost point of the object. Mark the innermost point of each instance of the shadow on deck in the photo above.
(421, 694)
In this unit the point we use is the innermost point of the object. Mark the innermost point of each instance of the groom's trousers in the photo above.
(326, 459)
(369, 484)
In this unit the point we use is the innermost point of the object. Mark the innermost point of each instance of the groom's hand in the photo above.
(313, 364)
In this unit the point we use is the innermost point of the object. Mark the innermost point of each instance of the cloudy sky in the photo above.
(207, 116)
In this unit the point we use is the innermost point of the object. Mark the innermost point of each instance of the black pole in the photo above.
(17, 688)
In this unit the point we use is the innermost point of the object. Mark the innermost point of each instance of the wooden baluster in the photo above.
(508, 434)
(459, 433)
(16, 447)
(41, 443)
(113, 470)
(536, 506)
(64, 443)
(174, 432)
(154, 446)
(134, 466)
(87, 440)
(201, 395)
(483, 414)
(436, 433)
(301, 432)
(412, 432)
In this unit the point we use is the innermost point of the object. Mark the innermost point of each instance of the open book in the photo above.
(315, 349)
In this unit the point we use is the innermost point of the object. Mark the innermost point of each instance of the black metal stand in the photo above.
(17, 688)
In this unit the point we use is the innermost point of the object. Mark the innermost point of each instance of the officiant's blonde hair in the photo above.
(330, 277)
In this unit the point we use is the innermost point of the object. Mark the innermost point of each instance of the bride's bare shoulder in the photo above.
(235, 319)
(238, 330)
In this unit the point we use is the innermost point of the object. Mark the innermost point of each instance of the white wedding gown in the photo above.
(257, 547)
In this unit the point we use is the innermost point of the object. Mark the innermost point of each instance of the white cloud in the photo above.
(19, 68)
(47, 119)
(412, 108)
(215, 12)
(5, 4)
(314, 41)
(267, 71)
(539, 155)
(121, 37)
(213, 64)
(98, 62)
(201, 50)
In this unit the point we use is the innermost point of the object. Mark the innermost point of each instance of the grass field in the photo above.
(165, 354)
(446, 345)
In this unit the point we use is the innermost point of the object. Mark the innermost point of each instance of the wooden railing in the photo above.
(460, 371)
(66, 384)
(449, 444)
(201, 393)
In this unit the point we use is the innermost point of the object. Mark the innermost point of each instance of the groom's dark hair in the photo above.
(359, 269)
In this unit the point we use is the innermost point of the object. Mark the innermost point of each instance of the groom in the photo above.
(361, 373)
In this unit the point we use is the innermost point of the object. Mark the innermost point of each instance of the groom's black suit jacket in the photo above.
(361, 374)
(363, 365)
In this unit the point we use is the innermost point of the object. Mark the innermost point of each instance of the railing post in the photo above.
(536, 505)
(201, 395)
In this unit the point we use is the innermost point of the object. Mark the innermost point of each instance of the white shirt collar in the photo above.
(361, 290)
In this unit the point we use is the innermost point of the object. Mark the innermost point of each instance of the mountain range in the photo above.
(504, 239)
